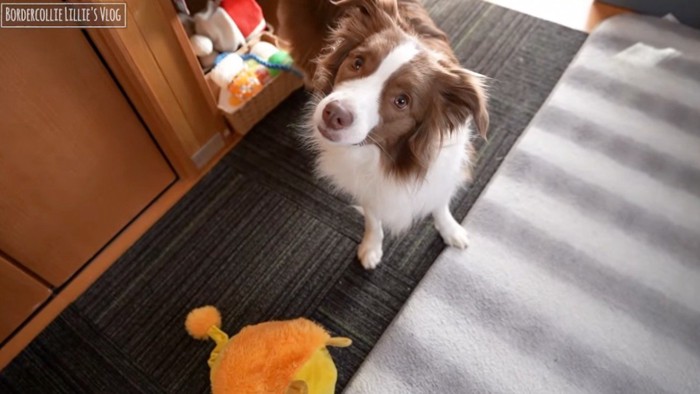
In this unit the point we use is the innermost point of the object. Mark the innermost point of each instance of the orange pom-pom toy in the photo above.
(201, 319)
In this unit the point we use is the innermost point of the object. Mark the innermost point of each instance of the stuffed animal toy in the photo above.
(244, 86)
(285, 357)
(226, 67)
(225, 26)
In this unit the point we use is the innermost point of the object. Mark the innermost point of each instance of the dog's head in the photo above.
(381, 85)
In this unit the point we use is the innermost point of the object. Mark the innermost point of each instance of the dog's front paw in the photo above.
(455, 236)
(370, 254)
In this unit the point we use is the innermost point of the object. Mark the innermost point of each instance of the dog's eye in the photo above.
(401, 101)
(357, 63)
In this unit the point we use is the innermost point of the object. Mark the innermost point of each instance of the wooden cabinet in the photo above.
(77, 163)
(101, 132)
(20, 295)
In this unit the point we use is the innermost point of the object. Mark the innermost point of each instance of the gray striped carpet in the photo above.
(262, 239)
(583, 274)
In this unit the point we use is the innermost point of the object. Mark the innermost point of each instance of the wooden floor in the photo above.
(582, 15)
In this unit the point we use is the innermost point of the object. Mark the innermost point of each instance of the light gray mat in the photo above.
(583, 273)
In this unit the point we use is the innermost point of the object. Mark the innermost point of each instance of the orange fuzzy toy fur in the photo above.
(267, 357)
(261, 359)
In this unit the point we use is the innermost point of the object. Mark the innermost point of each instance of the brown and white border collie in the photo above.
(391, 119)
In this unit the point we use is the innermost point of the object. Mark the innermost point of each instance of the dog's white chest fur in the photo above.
(357, 171)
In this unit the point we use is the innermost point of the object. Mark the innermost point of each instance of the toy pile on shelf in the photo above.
(235, 47)
(242, 75)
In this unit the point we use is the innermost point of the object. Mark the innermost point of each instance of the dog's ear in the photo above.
(331, 57)
(371, 7)
(361, 19)
(352, 30)
(461, 94)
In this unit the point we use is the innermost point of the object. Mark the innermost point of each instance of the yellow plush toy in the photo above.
(277, 357)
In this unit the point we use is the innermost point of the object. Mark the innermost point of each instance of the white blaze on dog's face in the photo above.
(353, 109)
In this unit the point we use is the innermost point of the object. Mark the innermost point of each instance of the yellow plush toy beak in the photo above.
(319, 374)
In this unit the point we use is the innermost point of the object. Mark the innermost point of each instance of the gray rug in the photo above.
(262, 239)
(583, 274)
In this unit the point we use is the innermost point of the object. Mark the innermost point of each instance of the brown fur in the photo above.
(305, 24)
(327, 35)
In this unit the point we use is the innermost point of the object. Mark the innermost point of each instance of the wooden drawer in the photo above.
(20, 295)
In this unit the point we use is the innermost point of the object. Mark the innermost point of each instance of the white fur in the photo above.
(361, 96)
(357, 171)
(392, 203)
(370, 250)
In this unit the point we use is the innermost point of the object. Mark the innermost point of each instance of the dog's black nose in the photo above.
(336, 117)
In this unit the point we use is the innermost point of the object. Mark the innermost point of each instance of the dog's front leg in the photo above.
(370, 250)
(450, 230)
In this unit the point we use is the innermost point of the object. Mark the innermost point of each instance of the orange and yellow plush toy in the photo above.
(244, 86)
(285, 357)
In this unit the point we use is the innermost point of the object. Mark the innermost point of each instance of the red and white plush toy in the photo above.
(226, 25)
